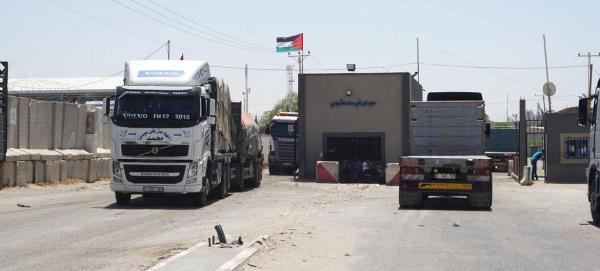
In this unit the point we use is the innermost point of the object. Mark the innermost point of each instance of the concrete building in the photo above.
(353, 116)
(567, 147)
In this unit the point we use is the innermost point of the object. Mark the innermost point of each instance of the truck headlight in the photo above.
(193, 169)
(116, 168)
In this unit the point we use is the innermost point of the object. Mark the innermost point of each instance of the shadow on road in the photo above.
(594, 224)
(164, 202)
(447, 204)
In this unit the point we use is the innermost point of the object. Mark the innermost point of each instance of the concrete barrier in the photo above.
(392, 174)
(13, 127)
(327, 172)
(64, 172)
(69, 129)
(8, 174)
(38, 172)
(91, 143)
(40, 125)
(81, 121)
(24, 173)
(52, 171)
(57, 125)
(23, 122)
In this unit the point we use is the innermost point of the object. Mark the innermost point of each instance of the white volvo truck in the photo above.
(171, 131)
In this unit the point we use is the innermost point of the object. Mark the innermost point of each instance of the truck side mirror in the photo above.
(582, 120)
(105, 110)
(488, 130)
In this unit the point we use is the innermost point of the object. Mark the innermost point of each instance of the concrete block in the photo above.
(392, 174)
(102, 170)
(13, 127)
(24, 173)
(13, 155)
(48, 154)
(92, 174)
(57, 125)
(38, 172)
(69, 129)
(8, 174)
(23, 122)
(81, 123)
(40, 124)
(64, 171)
(327, 171)
(33, 154)
(22, 154)
(82, 170)
(91, 121)
(76, 154)
(91, 143)
(103, 153)
(52, 171)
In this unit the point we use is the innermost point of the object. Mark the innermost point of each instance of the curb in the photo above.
(176, 256)
(242, 257)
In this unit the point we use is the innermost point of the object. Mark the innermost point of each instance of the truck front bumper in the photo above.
(130, 179)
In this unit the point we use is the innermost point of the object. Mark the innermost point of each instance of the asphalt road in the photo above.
(313, 227)
(542, 227)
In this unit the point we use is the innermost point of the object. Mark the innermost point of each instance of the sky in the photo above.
(93, 38)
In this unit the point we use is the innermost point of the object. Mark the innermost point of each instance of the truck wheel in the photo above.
(123, 199)
(223, 187)
(481, 202)
(199, 199)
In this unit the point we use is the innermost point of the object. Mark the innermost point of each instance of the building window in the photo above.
(576, 147)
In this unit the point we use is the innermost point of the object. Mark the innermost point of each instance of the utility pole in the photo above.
(547, 79)
(246, 91)
(300, 59)
(169, 49)
(590, 68)
(290, 75)
(418, 63)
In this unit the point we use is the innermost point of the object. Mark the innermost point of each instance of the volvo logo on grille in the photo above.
(154, 150)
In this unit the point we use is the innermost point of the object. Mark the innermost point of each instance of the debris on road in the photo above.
(456, 224)
(23, 205)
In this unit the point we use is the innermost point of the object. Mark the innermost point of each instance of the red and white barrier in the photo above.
(392, 174)
(327, 172)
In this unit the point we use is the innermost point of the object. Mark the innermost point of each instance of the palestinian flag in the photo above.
(290, 44)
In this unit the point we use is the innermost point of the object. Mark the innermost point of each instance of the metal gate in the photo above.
(3, 108)
(535, 134)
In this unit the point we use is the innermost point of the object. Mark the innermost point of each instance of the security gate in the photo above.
(3, 108)
(535, 136)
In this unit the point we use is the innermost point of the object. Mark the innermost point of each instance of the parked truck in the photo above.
(592, 174)
(501, 146)
(282, 154)
(172, 131)
(446, 144)
(246, 169)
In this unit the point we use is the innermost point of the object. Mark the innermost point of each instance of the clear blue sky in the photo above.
(42, 39)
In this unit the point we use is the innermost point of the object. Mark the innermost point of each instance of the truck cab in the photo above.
(593, 176)
(169, 131)
(282, 153)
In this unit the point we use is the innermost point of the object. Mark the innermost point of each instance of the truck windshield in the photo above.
(158, 109)
(284, 129)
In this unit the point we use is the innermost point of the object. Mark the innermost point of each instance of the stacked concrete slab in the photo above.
(48, 141)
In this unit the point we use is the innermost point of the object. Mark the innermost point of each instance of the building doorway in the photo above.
(361, 156)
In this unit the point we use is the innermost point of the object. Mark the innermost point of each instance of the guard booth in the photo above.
(567, 152)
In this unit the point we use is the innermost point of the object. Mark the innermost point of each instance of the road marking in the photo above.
(176, 256)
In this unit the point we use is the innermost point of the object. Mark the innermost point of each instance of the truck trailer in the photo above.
(246, 167)
(172, 131)
(447, 144)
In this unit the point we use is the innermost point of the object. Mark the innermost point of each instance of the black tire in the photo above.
(593, 197)
(199, 199)
(122, 199)
(239, 183)
(485, 203)
(274, 171)
(223, 188)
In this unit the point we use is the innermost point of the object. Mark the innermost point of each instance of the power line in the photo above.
(208, 28)
(501, 67)
(176, 27)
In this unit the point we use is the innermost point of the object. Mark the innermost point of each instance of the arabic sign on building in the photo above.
(356, 103)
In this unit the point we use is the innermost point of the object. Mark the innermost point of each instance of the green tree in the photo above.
(289, 103)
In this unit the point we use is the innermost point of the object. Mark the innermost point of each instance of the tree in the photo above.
(289, 103)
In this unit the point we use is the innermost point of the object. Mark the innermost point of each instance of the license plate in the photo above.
(155, 189)
(154, 174)
(445, 176)
(445, 186)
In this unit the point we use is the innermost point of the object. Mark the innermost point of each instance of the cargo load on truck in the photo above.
(446, 144)
(247, 165)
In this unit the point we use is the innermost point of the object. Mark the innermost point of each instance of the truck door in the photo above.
(593, 140)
